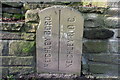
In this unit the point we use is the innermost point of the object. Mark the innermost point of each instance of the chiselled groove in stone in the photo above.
(59, 39)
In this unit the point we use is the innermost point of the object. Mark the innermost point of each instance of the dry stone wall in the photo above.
(100, 39)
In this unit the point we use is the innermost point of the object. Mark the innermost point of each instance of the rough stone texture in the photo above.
(11, 26)
(100, 46)
(4, 47)
(28, 36)
(102, 68)
(17, 36)
(111, 58)
(32, 16)
(12, 10)
(112, 22)
(13, 60)
(28, 6)
(64, 59)
(22, 48)
(13, 4)
(92, 9)
(90, 16)
(20, 70)
(1, 47)
(31, 27)
(7, 15)
(4, 71)
(118, 33)
(98, 34)
(95, 46)
(89, 23)
(100, 10)
(94, 21)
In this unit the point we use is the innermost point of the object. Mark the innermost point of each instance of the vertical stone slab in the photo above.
(59, 40)
(47, 40)
(71, 32)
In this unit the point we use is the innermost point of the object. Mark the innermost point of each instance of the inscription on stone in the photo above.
(59, 40)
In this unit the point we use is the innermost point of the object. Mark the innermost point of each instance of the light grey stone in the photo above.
(59, 40)
(32, 16)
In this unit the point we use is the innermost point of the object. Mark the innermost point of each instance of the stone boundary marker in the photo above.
(59, 40)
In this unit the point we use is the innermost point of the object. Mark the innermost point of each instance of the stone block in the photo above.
(58, 45)
(13, 60)
(32, 16)
(112, 22)
(100, 46)
(99, 34)
(4, 47)
(7, 15)
(95, 46)
(13, 4)
(17, 36)
(4, 71)
(28, 6)
(31, 27)
(12, 10)
(103, 68)
(118, 33)
(89, 23)
(28, 36)
(14, 26)
(92, 10)
(22, 48)
(104, 58)
(90, 16)
(20, 70)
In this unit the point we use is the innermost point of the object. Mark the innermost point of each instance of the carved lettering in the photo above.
(47, 41)
(71, 19)
(70, 43)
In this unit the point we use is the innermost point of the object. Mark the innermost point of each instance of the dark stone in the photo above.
(98, 34)
(12, 4)
(12, 10)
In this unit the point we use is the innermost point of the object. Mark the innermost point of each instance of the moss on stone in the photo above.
(22, 48)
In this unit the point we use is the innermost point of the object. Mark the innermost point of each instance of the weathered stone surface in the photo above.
(113, 46)
(95, 46)
(12, 10)
(112, 22)
(100, 46)
(90, 16)
(28, 36)
(20, 70)
(11, 26)
(29, 6)
(3, 71)
(32, 16)
(22, 48)
(102, 68)
(89, 23)
(7, 15)
(4, 47)
(118, 33)
(92, 9)
(16, 36)
(95, 22)
(98, 34)
(1, 47)
(13, 4)
(113, 12)
(59, 47)
(104, 58)
(13, 60)
(31, 27)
